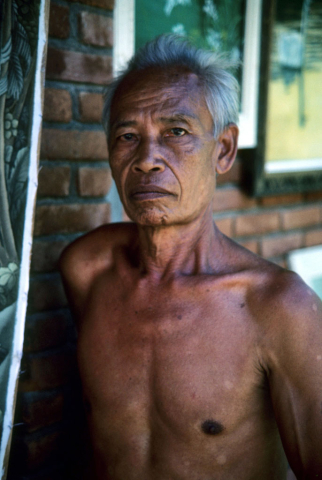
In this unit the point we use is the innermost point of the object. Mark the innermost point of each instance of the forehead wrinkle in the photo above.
(129, 105)
(123, 123)
(153, 94)
(166, 103)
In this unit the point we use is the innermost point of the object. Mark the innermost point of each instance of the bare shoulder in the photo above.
(285, 298)
(287, 314)
(94, 251)
(277, 298)
(90, 255)
(97, 244)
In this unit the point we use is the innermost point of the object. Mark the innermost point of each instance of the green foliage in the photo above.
(19, 60)
(28, 13)
(211, 24)
(17, 189)
(8, 284)
(16, 97)
(223, 24)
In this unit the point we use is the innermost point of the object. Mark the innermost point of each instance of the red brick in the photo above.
(282, 200)
(44, 333)
(314, 196)
(78, 67)
(225, 226)
(94, 182)
(53, 181)
(46, 294)
(106, 4)
(45, 255)
(275, 246)
(43, 412)
(300, 217)
(48, 371)
(73, 145)
(232, 176)
(58, 21)
(313, 238)
(251, 245)
(231, 199)
(53, 219)
(96, 29)
(57, 105)
(257, 223)
(90, 107)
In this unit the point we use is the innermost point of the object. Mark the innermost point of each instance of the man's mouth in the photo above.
(148, 192)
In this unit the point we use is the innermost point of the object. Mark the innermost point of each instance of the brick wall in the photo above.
(76, 194)
(268, 226)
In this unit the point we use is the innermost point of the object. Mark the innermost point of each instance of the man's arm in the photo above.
(82, 261)
(90, 256)
(292, 358)
(70, 266)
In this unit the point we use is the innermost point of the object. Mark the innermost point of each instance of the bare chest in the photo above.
(185, 362)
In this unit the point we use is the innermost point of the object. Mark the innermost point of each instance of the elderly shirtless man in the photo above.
(199, 360)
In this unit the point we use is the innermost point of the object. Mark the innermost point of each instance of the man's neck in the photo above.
(185, 249)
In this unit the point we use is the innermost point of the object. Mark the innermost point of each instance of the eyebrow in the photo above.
(173, 118)
(178, 117)
(124, 123)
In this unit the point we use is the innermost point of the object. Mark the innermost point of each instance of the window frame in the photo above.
(124, 47)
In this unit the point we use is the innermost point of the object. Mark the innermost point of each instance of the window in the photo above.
(229, 26)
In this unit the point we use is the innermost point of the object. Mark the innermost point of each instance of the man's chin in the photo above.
(149, 217)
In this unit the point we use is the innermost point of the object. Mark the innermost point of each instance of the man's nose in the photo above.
(149, 158)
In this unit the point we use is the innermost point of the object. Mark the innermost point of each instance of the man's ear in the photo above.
(227, 144)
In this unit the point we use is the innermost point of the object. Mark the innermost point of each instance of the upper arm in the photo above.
(82, 262)
(90, 256)
(293, 361)
(74, 281)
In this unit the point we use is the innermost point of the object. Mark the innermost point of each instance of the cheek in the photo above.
(198, 183)
(207, 179)
(119, 168)
(187, 150)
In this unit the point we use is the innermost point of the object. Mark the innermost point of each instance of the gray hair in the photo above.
(221, 89)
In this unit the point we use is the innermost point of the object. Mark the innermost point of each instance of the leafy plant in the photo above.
(18, 37)
(17, 187)
(19, 61)
(222, 28)
(8, 284)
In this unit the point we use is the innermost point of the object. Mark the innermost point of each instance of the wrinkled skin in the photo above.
(199, 360)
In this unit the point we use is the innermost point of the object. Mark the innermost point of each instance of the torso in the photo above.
(173, 381)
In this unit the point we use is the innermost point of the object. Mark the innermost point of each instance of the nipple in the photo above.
(211, 427)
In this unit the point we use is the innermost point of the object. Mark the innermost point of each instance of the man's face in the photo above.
(161, 147)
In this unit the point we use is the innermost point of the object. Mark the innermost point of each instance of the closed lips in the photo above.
(146, 189)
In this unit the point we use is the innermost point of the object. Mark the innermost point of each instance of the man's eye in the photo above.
(177, 132)
(127, 136)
